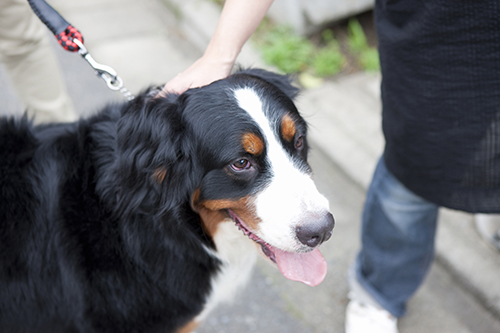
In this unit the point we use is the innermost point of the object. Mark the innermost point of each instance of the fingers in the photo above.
(177, 85)
(203, 72)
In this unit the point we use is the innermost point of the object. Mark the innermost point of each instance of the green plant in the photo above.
(328, 60)
(293, 54)
(367, 56)
(369, 60)
(357, 39)
(287, 51)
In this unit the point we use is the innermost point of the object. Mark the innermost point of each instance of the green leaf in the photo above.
(357, 38)
(328, 60)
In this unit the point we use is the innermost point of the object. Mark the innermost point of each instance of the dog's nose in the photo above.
(316, 232)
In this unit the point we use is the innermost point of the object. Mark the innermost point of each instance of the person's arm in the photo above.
(238, 20)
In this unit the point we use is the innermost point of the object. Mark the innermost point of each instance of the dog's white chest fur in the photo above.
(238, 255)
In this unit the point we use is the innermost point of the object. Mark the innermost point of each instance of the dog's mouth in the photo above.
(309, 268)
(266, 248)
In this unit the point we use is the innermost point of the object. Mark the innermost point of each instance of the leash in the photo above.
(72, 40)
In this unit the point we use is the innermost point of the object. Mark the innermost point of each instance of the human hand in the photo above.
(237, 22)
(202, 72)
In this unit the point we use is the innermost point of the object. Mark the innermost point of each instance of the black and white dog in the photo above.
(144, 216)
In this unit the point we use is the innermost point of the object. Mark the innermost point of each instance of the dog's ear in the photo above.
(154, 164)
(283, 82)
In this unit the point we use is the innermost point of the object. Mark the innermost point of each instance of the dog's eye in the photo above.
(241, 165)
(299, 142)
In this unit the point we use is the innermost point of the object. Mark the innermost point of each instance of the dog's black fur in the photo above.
(97, 228)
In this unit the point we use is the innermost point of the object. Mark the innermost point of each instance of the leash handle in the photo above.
(72, 40)
(64, 32)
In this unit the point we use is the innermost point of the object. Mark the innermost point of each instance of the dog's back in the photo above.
(63, 263)
(41, 206)
(17, 149)
(29, 276)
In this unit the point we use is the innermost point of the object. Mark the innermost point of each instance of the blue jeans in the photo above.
(398, 231)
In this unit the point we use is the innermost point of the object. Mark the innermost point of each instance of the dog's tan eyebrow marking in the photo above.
(288, 129)
(159, 174)
(252, 143)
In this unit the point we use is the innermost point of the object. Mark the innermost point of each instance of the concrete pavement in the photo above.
(149, 41)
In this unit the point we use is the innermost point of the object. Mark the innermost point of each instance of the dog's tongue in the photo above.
(308, 268)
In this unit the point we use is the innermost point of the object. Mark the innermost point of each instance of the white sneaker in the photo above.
(488, 226)
(362, 318)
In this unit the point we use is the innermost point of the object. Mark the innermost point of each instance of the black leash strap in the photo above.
(72, 40)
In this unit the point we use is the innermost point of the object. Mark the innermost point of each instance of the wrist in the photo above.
(221, 56)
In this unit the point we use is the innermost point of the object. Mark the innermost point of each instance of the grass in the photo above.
(328, 59)
(367, 56)
(292, 53)
(289, 52)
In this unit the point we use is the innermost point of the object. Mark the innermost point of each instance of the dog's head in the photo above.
(235, 150)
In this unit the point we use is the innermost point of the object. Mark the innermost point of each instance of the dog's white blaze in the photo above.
(291, 198)
(237, 254)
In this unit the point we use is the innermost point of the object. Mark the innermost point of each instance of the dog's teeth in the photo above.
(245, 232)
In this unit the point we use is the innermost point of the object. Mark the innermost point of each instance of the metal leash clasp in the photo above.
(108, 74)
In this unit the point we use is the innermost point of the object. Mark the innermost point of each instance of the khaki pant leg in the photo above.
(31, 65)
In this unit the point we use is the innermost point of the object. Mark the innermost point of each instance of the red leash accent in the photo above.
(72, 40)
(65, 38)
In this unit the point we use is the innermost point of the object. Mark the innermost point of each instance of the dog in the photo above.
(144, 216)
